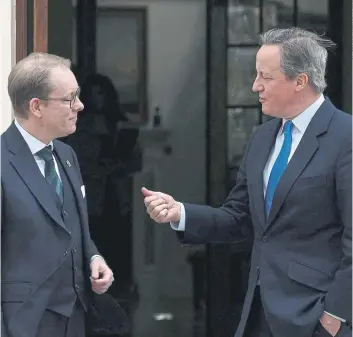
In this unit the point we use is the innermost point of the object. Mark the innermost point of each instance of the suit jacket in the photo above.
(302, 253)
(34, 238)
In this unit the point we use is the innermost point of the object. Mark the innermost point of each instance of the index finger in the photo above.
(149, 199)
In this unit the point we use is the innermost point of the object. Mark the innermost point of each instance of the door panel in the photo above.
(21, 29)
(31, 27)
(40, 25)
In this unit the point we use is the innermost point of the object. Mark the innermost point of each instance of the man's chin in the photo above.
(69, 131)
(266, 112)
(72, 129)
(269, 113)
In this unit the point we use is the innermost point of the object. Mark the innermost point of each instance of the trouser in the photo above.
(53, 324)
(257, 325)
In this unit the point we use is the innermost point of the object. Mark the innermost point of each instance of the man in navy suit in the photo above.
(292, 198)
(49, 263)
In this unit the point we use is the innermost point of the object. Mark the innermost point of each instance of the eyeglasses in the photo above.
(71, 100)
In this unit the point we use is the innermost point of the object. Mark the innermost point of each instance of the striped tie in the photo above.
(50, 172)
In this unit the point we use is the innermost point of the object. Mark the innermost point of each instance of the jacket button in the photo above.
(264, 239)
(74, 249)
(65, 253)
(65, 213)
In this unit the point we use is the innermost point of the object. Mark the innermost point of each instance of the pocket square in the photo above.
(83, 191)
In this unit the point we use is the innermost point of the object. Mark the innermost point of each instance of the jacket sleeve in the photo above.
(338, 300)
(229, 223)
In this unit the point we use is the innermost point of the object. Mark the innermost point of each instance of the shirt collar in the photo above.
(302, 121)
(33, 143)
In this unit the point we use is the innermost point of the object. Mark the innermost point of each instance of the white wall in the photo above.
(7, 56)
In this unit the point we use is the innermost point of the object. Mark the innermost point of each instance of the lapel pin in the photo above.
(68, 163)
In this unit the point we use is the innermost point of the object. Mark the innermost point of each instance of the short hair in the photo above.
(302, 51)
(30, 78)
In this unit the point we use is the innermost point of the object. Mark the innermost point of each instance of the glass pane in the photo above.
(313, 15)
(241, 74)
(278, 14)
(243, 21)
(241, 124)
(123, 62)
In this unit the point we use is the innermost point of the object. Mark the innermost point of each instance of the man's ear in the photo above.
(35, 108)
(301, 81)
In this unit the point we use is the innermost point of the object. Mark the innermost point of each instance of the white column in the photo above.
(7, 58)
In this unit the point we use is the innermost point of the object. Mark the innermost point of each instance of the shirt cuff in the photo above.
(341, 319)
(95, 256)
(180, 226)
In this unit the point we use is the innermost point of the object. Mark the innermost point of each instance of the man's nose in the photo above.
(79, 105)
(257, 87)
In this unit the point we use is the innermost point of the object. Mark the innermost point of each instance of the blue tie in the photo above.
(279, 166)
(50, 172)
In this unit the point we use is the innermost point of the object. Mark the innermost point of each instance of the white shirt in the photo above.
(36, 145)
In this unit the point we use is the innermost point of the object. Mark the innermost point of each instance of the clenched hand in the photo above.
(101, 275)
(161, 207)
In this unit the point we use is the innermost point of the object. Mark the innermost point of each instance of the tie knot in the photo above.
(46, 153)
(288, 126)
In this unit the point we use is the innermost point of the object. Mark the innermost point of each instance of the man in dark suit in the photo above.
(293, 198)
(49, 263)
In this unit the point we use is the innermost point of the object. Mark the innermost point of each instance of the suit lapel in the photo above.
(65, 159)
(24, 163)
(307, 147)
(261, 151)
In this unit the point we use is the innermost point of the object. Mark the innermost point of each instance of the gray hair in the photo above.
(30, 78)
(301, 52)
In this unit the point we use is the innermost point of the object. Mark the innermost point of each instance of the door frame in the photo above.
(31, 30)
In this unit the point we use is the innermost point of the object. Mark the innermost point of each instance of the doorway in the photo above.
(158, 278)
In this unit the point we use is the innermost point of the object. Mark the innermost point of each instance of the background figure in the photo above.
(108, 155)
